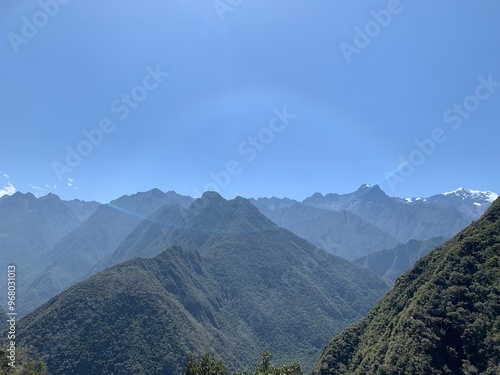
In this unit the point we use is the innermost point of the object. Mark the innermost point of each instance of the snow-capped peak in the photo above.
(487, 196)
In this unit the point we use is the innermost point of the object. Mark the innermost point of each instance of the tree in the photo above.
(24, 364)
(208, 366)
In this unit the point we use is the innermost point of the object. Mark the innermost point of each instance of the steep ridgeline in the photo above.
(341, 233)
(392, 263)
(74, 255)
(402, 219)
(442, 317)
(265, 287)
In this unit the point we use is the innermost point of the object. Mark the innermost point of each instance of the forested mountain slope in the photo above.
(441, 317)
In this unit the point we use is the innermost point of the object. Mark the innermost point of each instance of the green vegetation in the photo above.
(442, 317)
(24, 364)
(141, 317)
(207, 365)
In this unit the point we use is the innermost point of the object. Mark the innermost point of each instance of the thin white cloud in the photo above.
(41, 190)
(38, 191)
(37, 187)
(8, 189)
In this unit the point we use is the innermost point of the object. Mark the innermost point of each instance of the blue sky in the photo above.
(258, 98)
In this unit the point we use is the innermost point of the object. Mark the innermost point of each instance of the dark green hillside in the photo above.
(442, 317)
(141, 317)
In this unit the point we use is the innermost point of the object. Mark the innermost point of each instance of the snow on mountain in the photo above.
(471, 203)
(487, 196)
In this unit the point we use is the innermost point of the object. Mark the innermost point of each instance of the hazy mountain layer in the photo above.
(29, 227)
(71, 258)
(403, 220)
(391, 263)
(341, 233)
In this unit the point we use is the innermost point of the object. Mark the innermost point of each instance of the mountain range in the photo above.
(59, 243)
(403, 219)
(254, 260)
(219, 276)
(230, 277)
(237, 284)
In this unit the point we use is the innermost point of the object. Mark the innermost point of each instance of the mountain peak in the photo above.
(488, 196)
(18, 195)
(212, 195)
(364, 187)
(459, 190)
(156, 192)
(317, 195)
(50, 196)
(208, 199)
(370, 191)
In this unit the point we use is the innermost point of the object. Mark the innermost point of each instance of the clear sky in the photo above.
(102, 98)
